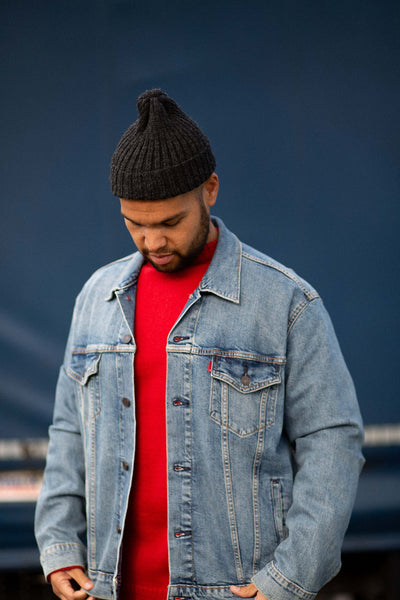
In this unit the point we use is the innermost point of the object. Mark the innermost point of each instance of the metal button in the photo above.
(118, 529)
(126, 402)
(127, 338)
(125, 465)
(245, 379)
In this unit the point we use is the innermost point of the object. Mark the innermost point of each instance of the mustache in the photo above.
(160, 252)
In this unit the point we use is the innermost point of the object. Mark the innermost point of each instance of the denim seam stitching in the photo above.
(93, 394)
(310, 294)
(220, 421)
(277, 507)
(282, 580)
(271, 402)
(256, 482)
(84, 441)
(120, 395)
(91, 349)
(228, 487)
(199, 587)
(297, 311)
(92, 503)
(278, 360)
(241, 435)
(198, 301)
(250, 389)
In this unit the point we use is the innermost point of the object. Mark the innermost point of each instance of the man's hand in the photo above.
(66, 584)
(248, 591)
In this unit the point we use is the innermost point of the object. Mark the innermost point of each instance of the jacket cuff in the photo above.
(275, 586)
(60, 556)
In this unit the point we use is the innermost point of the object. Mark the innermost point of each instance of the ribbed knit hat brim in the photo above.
(162, 154)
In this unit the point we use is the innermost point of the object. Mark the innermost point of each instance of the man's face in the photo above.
(171, 233)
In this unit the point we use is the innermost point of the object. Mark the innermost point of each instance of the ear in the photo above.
(210, 190)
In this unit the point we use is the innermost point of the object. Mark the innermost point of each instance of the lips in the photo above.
(160, 259)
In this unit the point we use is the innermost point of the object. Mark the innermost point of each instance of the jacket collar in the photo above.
(223, 275)
(129, 275)
(221, 278)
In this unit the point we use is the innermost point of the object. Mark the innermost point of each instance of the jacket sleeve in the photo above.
(60, 520)
(323, 423)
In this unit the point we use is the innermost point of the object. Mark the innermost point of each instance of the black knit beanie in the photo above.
(162, 154)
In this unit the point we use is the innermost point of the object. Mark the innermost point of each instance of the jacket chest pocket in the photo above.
(243, 393)
(84, 369)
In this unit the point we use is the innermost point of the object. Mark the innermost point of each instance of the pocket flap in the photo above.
(83, 366)
(246, 375)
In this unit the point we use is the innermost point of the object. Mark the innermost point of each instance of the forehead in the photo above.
(152, 212)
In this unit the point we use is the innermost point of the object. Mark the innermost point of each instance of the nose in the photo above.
(154, 240)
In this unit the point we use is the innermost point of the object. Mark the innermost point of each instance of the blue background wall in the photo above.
(301, 103)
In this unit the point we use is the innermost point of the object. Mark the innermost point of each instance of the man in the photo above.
(206, 436)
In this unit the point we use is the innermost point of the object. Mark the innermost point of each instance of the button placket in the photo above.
(180, 451)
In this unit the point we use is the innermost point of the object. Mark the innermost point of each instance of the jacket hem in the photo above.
(104, 585)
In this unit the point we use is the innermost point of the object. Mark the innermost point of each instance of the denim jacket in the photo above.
(263, 433)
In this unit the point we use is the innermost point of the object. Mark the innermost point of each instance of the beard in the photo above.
(184, 260)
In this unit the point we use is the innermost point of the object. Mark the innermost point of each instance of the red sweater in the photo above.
(159, 301)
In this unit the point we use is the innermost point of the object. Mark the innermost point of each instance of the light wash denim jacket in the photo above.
(263, 430)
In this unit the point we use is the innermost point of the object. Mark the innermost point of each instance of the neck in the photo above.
(212, 234)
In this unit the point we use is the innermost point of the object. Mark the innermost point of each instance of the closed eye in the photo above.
(172, 223)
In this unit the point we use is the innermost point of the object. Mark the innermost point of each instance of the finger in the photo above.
(65, 591)
(81, 578)
(247, 591)
(67, 584)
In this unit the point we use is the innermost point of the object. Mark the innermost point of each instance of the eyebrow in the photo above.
(164, 222)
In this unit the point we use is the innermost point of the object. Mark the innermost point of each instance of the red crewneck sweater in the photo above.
(160, 299)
